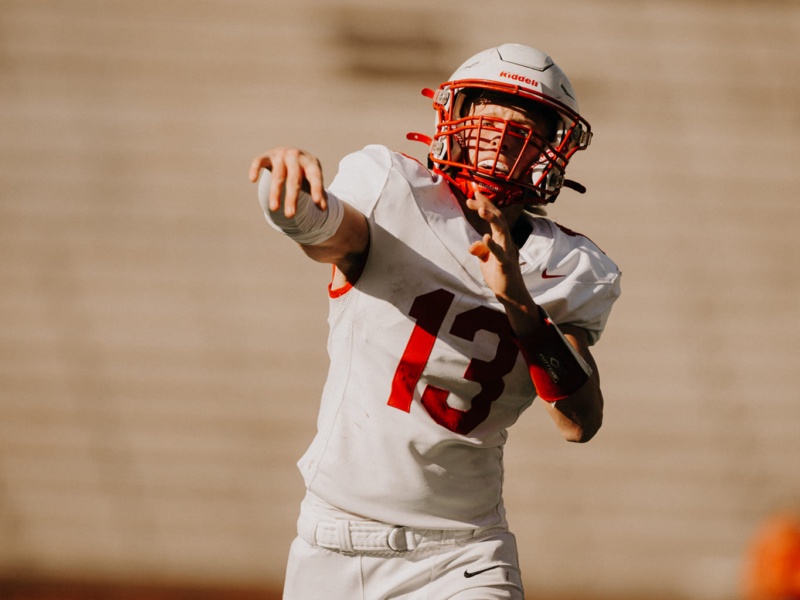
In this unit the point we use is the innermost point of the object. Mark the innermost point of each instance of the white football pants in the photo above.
(480, 568)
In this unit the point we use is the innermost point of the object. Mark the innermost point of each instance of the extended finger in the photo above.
(495, 246)
(313, 174)
(499, 227)
(258, 163)
(278, 180)
(493, 216)
(483, 206)
(294, 182)
(481, 250)
(498, 223)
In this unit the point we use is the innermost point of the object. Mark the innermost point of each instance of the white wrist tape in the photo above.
(310, 225)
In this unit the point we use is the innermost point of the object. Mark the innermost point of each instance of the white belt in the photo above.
(348, 536)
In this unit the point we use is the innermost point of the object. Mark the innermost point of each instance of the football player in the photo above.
(454, 303)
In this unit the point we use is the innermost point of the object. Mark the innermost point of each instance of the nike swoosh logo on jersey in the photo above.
(546, 275)
(468, 574)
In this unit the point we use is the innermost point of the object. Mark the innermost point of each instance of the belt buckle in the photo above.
(397, 539)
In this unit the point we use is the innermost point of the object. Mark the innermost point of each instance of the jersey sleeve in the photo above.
(577, 283)
(362, 177)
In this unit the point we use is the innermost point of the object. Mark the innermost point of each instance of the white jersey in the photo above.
(425, 377)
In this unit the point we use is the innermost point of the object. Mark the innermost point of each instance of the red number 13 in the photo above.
(429, 311)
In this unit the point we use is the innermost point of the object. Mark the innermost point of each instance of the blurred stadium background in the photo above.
(163, 350)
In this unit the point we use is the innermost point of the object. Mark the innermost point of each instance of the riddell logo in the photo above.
(520, 78)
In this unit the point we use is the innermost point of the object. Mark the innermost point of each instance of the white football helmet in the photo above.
(523, 78)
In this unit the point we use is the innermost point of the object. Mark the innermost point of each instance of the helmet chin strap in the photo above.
(574, 185)
(501, 195)
(469, 184)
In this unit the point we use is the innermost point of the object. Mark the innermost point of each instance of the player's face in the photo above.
(515, 146)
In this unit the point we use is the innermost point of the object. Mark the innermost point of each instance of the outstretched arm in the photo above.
(327, 230)
(572, 394)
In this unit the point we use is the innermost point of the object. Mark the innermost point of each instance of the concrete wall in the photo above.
(163, 351)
